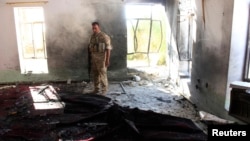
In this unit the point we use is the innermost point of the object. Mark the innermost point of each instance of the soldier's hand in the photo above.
(106, 64)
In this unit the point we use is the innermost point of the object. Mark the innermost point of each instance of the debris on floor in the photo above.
(92, 117)
(205, 116)
(152, 97)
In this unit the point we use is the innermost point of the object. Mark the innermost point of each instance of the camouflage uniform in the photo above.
(99, 43)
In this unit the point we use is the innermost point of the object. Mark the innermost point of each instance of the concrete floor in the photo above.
(153, 92)
(90, 116)
(160, 97)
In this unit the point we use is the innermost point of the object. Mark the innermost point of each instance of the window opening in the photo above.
(30, 30)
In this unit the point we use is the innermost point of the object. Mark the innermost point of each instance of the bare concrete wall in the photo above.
(211, 55)
(68, 27)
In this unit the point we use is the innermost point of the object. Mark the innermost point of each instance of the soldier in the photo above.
(99, 49)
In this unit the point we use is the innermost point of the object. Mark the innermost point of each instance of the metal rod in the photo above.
(124, 91)
(150, 34)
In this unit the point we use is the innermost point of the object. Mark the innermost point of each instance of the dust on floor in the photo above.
(148, 96)
(154, 91)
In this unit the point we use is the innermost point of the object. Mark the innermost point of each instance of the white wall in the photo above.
(238, 44)
(8, 45)
(68, 27)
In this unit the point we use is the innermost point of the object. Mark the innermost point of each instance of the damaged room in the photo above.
(123, 70)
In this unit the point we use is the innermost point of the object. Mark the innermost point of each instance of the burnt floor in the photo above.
(150, 109)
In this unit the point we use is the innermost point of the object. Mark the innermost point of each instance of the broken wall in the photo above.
(68, 27)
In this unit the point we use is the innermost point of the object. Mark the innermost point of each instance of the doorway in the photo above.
(146, 36)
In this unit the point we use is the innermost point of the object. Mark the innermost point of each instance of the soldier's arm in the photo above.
(107, 50)
(107, 57)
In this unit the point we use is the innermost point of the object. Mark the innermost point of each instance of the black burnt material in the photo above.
(88, 117)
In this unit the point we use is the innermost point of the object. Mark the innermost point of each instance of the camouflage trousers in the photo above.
(100, 78)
